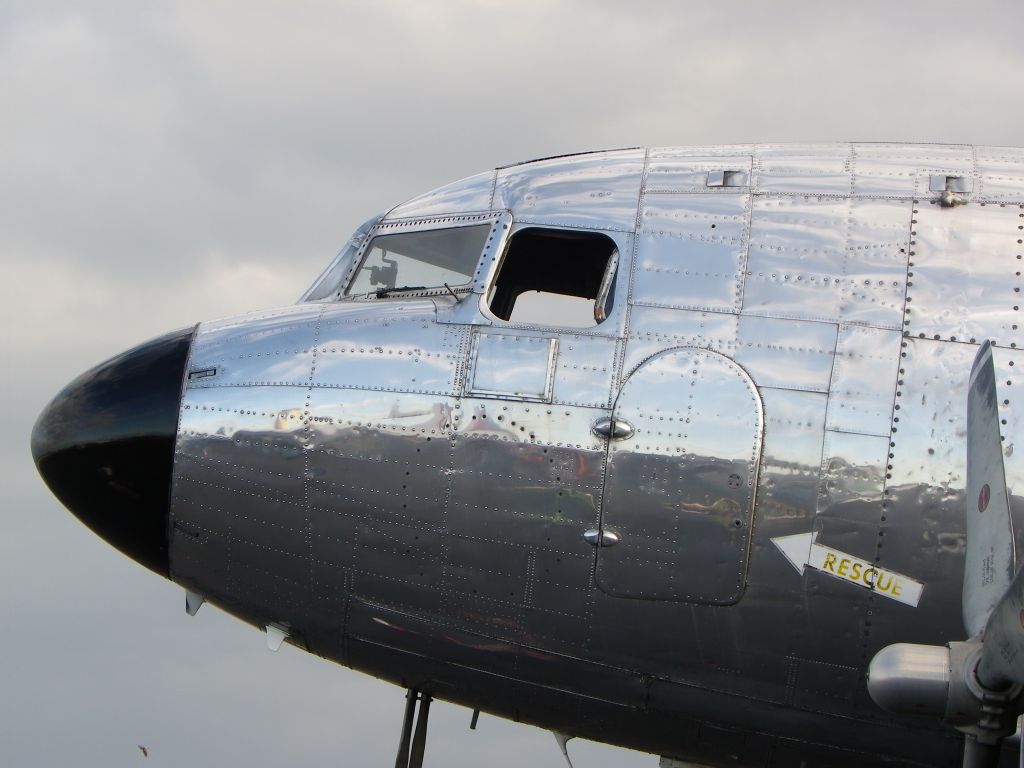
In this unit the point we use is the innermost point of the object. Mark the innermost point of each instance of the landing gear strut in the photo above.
(413, 757)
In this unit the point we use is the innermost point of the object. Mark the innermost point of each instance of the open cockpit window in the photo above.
(420, 260)
(555, 277)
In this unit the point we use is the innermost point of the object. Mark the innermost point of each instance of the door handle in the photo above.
(612, 429)
(596, 538)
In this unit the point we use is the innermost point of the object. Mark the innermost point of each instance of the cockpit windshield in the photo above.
(432, 258)
(327, 287)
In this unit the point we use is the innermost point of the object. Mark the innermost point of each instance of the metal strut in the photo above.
(412, 746)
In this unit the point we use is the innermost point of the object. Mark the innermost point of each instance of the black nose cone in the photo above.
(105, 446)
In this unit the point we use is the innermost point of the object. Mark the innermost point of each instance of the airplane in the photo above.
(686, 449)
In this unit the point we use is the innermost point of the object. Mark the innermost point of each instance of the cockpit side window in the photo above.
(555, 277)
(424, 259)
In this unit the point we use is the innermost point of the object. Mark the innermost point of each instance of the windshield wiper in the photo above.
(383, 293)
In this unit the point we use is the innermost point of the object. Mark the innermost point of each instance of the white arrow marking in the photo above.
(802, 551)
(797, 549)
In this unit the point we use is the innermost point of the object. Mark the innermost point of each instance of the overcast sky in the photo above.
(164, 163)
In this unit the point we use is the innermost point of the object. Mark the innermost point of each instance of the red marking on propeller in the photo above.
(983, 498)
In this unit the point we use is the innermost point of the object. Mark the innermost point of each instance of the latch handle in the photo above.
(612, 429)
(596, 538)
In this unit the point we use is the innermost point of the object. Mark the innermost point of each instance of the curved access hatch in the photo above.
(679, 490)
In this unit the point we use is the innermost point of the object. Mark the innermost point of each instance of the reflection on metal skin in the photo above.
(410, 477)
(907, 678)
(596, 538)
(688, 473)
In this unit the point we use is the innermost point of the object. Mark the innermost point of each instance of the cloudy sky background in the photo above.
(163, 163)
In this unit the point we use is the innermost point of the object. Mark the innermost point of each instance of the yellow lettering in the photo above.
(830, 561)
(884, 582)
(855, 573)
(897, 588)
(844, 565)
(869, 576)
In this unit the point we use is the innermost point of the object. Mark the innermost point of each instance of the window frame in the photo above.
(317, 291)
(613, 287)
(498, 221)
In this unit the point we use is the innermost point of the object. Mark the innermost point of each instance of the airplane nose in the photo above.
(105, 446)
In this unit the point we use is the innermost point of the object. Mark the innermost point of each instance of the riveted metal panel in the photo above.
(819, 169)
(931, 158)
(965, 280)
(691, 251)
(828, 259)
(811, 677)
(525, 484)
(585, 371)
(277, 484)
(875, 262)
(932, 395)
(410, 597)
(1000, 174)
(851, 506)
(903, 170)
(398, 347)
(789, 354)
(794, 428)
(512, 365)
(680, 491)
(595, 191)
(794, 425)
(406, 558)
(470, 194)
(654, 329)
(883, 170)
(686, 169)
(920, 530)
(376, 475)
(786, 495)
(864, 380)
(273, 348)
(921, 524)
(939, 160)
(238, 519)
(378, 457)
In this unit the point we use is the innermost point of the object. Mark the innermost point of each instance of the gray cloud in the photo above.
(165, 163)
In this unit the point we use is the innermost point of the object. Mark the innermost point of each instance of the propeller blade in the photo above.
(989, 563)
(1002, 653)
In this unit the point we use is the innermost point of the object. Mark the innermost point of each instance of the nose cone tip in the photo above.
(105, 446)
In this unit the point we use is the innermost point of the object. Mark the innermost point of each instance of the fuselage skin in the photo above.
(402, 483)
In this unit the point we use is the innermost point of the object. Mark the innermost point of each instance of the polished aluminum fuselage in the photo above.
(403, 483)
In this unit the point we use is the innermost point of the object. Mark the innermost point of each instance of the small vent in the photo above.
(202, 373)
(949, 184)
(728, 179)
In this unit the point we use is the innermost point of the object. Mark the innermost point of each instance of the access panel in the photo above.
(679, 492)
